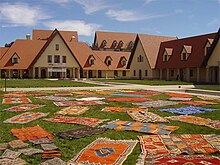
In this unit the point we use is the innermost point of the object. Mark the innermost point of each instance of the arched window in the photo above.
(130, 45)
(104, 43)
(114, 44)
(120, 44)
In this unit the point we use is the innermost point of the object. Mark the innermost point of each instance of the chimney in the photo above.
(28, 36)
(72, 38)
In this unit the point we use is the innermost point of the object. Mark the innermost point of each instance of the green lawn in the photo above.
(70, 148)
(145, 82)
(209, 87)
(28, 83)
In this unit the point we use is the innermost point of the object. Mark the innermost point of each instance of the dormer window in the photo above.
(15, 59)
(123, 62)
(114, 44)
(120, 44)
(130, 45)
(167, 54)
(104, 43)
(208, 45)
(91, 60)
(186, 51)
(108, 60)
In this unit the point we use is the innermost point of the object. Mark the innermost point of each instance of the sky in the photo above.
(177, 18)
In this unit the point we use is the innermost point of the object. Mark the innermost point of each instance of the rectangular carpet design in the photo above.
(105, 151)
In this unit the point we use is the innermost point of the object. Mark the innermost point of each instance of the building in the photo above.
(212, 61)
(144, 55)
(182, 59)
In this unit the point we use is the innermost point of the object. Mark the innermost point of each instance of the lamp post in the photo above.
(5, 82)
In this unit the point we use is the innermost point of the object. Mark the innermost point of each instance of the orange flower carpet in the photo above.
(105, 151)
(127, 99)
(195, 103)
(148, 93)
(179, 95)
(30, 133)
(196, 120)
(15, 100)
(23, 107)
(92, 122)
(122, 109)
(25, 117)
(78, 103)
(140, 127)
(73, 110)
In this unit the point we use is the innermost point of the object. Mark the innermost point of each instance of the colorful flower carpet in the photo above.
(122, 109)
(80, 132)
(105, 151)
(154, 104)
(126, 95)
(145, 117)
(63, 94)
(23, 107)
(25, 117)
(83, 93)
(179, 95)
(188, 110)
(73, 110)
(92, 122)
(179, 99)
(127, 99)
(90, 99)
(30, 133)
(78, 103)
(55, 98)
(195, 103)
(140, 127)
(16, 100)
(178, 160)
(148, 93)
(196, 120)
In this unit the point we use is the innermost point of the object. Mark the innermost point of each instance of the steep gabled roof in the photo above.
(151, 45)
(3, 50)
(110, 37)
(45, 34)
(82, 52)
(116, 58)
(197, 50)
(26, 50)
(211, 49)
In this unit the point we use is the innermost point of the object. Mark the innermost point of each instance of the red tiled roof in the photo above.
(195, 59)
(116, 59)
(82, 52)
(45, 34)
(3, 50)
(26, 50)
(110, 37)
(151, 45)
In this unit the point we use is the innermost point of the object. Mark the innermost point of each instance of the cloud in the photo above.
(214, 22)
(178, 11)
(21, 14)
(148, 1)
(91, 6)
(83, 28)
(125, 15)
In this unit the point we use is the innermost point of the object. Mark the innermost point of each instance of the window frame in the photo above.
(49, 59)
(57, 47)
(64, 59)
(56, 58)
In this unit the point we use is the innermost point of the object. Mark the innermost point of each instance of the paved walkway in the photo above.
(116, 86)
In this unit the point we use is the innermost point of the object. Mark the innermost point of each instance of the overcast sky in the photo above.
(181, 18)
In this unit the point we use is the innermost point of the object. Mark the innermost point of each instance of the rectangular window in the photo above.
(134, 72)
(64, 59)
(145, 72)
(123, 73)
(15, 60)
(172, 73)
(184, 56)
(57, 47)
(191, 73)
(56, 59)
(49, 59)
(115, 73)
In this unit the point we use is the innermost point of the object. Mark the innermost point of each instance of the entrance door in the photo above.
(181, 75)
(90, 73)
(140, 74)
(43, 73)
(99, 74)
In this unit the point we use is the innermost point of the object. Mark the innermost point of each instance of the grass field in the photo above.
(70, 148)
(28, 83)
(209, 87)
(144, 82)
